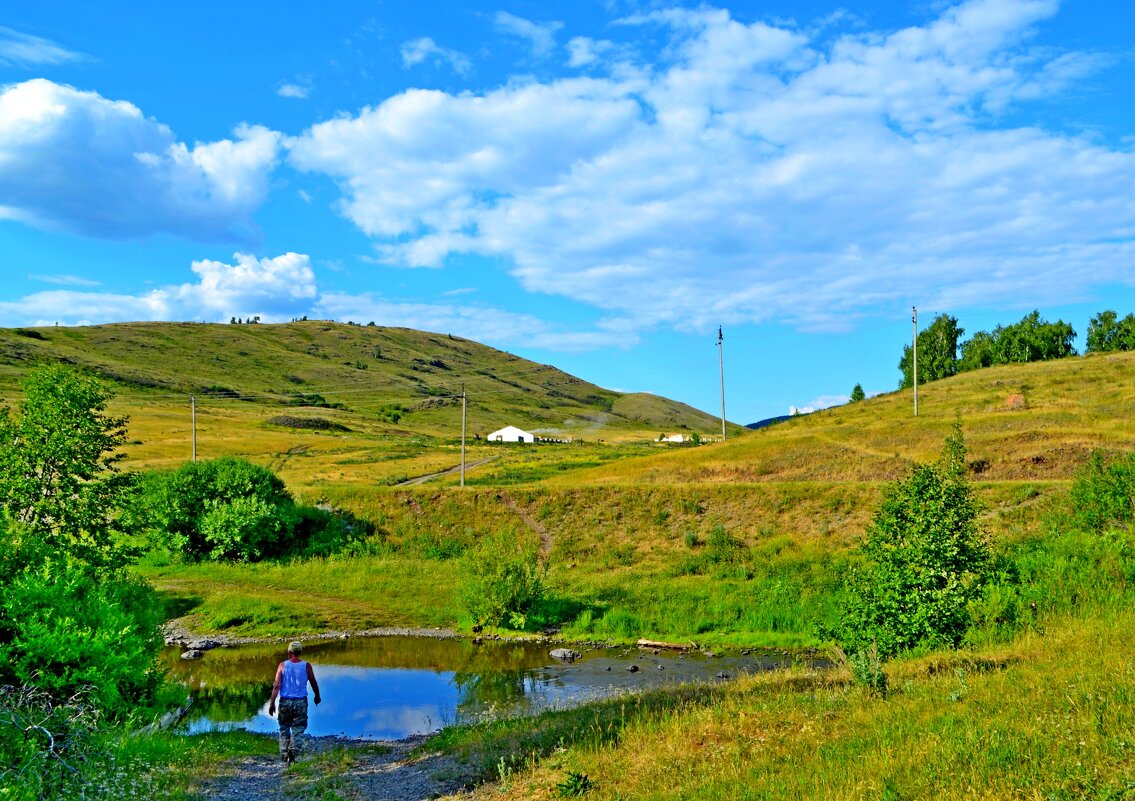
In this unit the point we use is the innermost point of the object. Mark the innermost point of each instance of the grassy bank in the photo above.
(1048, 716)
(745, 564)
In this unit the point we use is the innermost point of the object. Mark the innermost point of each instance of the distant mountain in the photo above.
(768, 421)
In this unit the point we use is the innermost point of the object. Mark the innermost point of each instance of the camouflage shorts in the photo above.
(292, 717)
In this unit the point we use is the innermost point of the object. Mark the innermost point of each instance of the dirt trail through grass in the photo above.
(532, 523)
(339, 768)
(451, 471)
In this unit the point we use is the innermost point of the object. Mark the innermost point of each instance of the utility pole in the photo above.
(193, 414)
(914, 351)
(721, 369)
(464, 405)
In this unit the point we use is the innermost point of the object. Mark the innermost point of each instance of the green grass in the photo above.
(309, 596)
(126, 766)
(1048, 716)
(622, 561)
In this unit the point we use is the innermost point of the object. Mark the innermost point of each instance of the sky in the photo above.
(597, 185)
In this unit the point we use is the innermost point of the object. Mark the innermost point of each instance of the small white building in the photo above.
(511, 434)
(673, 438)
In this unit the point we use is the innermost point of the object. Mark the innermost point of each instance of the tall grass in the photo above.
(1048, 716)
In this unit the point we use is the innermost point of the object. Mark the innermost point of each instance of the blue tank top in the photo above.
(294, 684)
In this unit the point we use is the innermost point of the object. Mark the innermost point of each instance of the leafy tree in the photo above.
(71, 621)
(232, 509)
(937, 352)
(58, 479)
(1107, 333)
(924, 560)
(1033, 339)
(857, 393)
(980, 351)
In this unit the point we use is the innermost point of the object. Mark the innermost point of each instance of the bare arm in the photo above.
(314, 683)
(276, 689)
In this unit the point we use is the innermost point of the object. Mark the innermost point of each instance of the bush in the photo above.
(1103, 494)
(503, 581)
(186, 509)
(66, 630)
(232, 509)
(925, 561)
(245, 529)
(867, 670)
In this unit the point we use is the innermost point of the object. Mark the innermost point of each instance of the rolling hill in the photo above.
(330, 400)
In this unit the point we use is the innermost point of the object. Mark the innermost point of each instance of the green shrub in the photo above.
(723, 546)
(187, 509)
(1103, 494)
(245, 529)
(232, 509)
(924, 562)
(867, 670)
(64, 630)
(574, 785)
(503, 581)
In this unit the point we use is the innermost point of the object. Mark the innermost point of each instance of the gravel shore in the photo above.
(374, 770)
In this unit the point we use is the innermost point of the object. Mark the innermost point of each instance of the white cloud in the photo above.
(585, 52)
(25, 50)
(284, 287)
(541, 36)
(444, 158)
(294, 90)
(481, 323)
(77, 161)
(417, 51)
(754, 172)
(821, 402)
(276, 289)
(65, 280)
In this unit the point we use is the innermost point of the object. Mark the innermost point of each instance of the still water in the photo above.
(392, 687)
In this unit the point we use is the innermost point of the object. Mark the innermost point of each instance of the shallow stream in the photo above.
(392, 687)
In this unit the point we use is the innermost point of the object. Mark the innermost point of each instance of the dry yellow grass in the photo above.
(1070, 407)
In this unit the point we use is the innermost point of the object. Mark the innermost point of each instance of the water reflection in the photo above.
(392, 687)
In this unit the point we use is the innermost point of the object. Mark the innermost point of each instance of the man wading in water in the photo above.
(291, 682)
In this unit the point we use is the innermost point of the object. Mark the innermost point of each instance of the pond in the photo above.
(392, 687)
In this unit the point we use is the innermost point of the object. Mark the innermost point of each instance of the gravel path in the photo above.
(335, 767)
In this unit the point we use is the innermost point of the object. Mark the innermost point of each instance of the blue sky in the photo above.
(595, 185)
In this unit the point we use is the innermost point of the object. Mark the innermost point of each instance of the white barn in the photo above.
(511, 434)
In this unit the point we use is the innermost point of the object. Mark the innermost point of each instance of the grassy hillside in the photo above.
(1023, 422)
(326, 401)
(735, 541)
